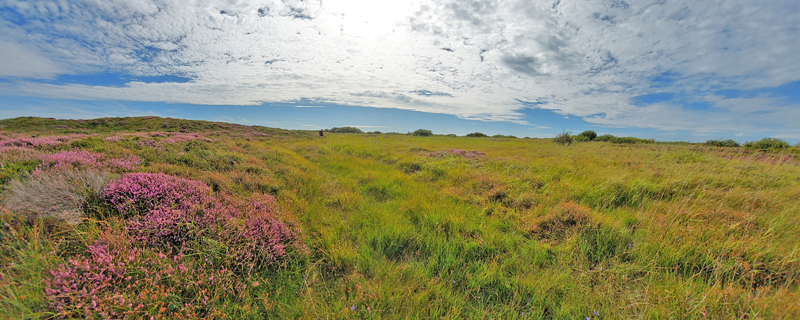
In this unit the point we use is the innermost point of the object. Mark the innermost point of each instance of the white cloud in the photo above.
(476, 59)
(19, 61)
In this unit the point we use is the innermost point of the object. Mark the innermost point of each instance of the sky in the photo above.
(668, 70)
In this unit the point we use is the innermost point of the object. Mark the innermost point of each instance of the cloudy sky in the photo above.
(670, 70)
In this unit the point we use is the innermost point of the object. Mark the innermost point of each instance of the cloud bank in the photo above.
(477, 59)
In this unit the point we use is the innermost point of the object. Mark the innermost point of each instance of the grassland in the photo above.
(411, 227)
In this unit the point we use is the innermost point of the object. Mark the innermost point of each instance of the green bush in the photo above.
(580, 138)
(722, 143)
(623, 140)
(476, 134)
(606, 137)
(422, 133)
(589, 134)
(503, 136)
(564, 138)
(767, 144)
(346, 130)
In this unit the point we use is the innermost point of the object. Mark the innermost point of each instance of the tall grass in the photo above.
(398, 226)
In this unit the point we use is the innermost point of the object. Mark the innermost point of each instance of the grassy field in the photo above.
(373, 226)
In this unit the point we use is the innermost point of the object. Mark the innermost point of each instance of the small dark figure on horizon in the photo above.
(320, 132)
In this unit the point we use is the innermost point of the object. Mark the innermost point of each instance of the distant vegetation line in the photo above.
(152, 123)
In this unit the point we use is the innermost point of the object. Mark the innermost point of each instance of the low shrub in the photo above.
(623, 140)
(722, 143)
(476, 135)
(422, 133)
(606, 138)
(346, 130)
(166, 212)
(767, 144)
(563, 138)
(141, 192)
(582, 139)
(116, 280)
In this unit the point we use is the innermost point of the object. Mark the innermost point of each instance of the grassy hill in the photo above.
(170, 218)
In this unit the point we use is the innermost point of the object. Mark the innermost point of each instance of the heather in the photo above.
(251, 222)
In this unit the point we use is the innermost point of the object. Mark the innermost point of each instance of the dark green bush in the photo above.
(422, 133)
(346, 130)
(605, 137)
(623, 140)
(476, 134)
(767, 144)
(580, 138)
(503, 136)
(591, 135)
(722, 143)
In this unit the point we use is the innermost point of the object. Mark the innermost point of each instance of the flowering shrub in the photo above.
(40, 141)
(143, 192)
(86, 159)
(67, 160)
(118, 280)
(255, 236)
(164, 210)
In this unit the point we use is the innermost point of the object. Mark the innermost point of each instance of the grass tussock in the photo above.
(60, 194)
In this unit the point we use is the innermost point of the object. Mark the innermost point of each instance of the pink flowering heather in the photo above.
(81, 158)
(163, 225)
(147, 143)
(82, 285)
(116, 280)
(261, 238)
(172, 211)
(185, 137)
(41, 141)
(148, 191)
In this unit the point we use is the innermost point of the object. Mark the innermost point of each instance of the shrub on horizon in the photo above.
(767, 144)
(422, 133)
(588, 134)
(476, 135)
(563, 138)
(722, 143)
(346, 130)
(606, 137)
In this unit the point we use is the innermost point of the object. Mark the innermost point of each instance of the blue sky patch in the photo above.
(790, 91)
(110, 79)
(653, 98)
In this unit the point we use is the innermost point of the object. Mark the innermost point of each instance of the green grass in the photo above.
(394, 231)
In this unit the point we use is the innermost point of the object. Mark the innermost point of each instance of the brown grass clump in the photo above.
(59, 194)
(562, 221)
